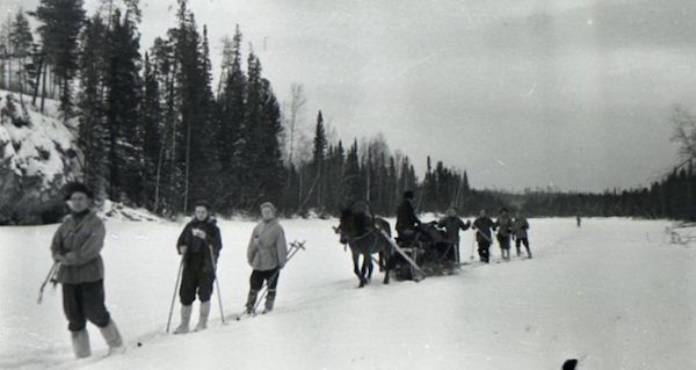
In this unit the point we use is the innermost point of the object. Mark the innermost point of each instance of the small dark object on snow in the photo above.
(140, 344)
(570, 364)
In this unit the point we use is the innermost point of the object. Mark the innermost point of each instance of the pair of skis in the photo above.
(295, 247)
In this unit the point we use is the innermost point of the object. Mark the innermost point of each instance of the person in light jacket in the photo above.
(266, 254)
(76, 249)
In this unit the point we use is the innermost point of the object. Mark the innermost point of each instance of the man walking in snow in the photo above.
(266, 254)
(200, 246)
(452, 224)
(76, 248)
(484, 235)
(520, 227)
(504, 224)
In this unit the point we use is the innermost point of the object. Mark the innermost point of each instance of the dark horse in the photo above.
(363, 234)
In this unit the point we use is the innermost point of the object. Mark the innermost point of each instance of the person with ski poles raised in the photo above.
(504, 226)
(199, 245)
(267, 253)
(484, 236)
(76, 249)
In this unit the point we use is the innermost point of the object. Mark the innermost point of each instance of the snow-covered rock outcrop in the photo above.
(38, 154)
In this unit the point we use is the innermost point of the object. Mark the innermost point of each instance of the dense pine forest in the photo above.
(157, 130)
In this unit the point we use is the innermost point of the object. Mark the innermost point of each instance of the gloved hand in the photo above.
(183, 249)
(199, 233)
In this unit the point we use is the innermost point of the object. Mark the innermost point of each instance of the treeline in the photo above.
(673, 197)
(154, 132)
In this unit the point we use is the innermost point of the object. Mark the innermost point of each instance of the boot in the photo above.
(185, 319)
(270, 299)
(251, 301)
(529, 253)
(80, 343)
(112, 337)
(203, 319)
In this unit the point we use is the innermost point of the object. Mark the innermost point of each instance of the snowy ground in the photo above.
(612, 292)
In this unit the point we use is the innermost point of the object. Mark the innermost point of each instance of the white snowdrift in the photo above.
(612, 293)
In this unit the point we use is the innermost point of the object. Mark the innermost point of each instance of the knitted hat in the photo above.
(76, 187)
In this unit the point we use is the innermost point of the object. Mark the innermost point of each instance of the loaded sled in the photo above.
(431, 251)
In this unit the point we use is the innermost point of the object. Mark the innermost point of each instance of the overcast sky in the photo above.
(521, 93)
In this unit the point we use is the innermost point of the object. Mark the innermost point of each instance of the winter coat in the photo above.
(452, 226)
(406, 218)
(77, 245)
(520, 226)
(198, 249)
(504, 224)
(267, 247)
(483, 225)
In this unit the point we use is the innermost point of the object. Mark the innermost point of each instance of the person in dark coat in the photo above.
(452, 224)
(76, 248)
(520, 227)
(267, 253)
(407, 223)
(504, 225)
(484, 235)
(199, 244)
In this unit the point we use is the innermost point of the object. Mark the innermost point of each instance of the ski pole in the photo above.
(294, 248)
(217, 282)
(51, 272)
(176, 286)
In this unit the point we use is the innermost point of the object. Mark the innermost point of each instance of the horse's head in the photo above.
(346, 225)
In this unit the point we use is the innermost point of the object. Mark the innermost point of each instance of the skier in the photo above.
(407, 223)
(452, 224)
(266, 254)
(484, 236)
(76, 248)
(504, 224)
(200, 245)
(520, 227)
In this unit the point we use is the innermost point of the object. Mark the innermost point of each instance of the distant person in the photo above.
(407, 223)
(76, 248)
(504, 224)
(484, 235)
(267, 253)
(452, 224)
(520, 226)
(578, 220)
(200, 245)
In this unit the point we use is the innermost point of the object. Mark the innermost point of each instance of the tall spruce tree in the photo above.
(61, 23)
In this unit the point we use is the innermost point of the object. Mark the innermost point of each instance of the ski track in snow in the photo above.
(611, 293)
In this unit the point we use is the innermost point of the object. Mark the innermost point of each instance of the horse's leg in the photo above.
(366, 267)
(367, 260)
(389, 262)
(356, 268)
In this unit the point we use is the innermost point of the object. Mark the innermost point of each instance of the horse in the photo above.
(363, 234)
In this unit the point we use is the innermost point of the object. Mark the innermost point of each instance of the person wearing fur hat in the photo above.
(76, 248)
(267, 253)
(199, 244)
